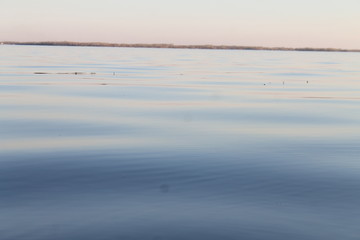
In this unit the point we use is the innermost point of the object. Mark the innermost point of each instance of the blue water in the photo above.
(178, 144)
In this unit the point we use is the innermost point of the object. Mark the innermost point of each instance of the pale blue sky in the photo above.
(305, 23)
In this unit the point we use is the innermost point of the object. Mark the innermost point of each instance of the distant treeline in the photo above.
(144, 45)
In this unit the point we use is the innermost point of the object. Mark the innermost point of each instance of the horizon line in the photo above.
(173, 46)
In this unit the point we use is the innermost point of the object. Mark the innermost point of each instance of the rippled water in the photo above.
(113, 143)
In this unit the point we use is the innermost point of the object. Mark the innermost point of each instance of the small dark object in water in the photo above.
(164, 188)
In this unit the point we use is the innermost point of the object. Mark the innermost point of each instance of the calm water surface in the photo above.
(115, 143)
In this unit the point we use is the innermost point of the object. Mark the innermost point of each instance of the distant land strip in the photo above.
(164, 45)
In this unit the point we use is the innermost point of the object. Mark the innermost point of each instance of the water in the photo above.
(112, 143)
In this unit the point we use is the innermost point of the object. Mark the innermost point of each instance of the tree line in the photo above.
(165, 45)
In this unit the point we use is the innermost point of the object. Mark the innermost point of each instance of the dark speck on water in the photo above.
(164, 188)
(211, 155)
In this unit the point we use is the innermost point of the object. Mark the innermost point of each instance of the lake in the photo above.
(133, 144)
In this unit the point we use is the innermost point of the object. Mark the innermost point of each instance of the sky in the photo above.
(269, 23)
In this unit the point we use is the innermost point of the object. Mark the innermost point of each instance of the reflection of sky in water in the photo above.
(178, 144)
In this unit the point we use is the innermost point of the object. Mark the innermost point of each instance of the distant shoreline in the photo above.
(174, 46)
